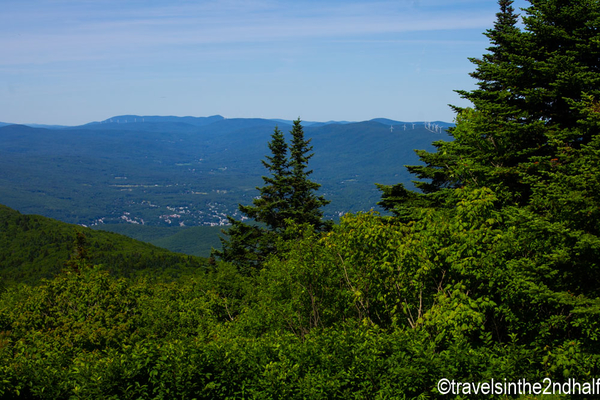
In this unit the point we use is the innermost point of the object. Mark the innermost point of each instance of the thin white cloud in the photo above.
(81, 34)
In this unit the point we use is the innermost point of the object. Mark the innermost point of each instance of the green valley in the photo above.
(178, 174)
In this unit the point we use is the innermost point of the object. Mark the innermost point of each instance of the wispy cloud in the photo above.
(71, 31)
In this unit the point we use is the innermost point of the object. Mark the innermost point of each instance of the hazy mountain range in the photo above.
(192, 171)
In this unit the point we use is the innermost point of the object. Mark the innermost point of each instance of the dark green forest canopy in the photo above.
(192, 240)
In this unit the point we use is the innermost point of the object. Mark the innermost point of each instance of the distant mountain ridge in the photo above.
(387, 121)
(203, 121)
(129, 119)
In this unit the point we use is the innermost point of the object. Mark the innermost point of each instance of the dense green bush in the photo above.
(451, 295)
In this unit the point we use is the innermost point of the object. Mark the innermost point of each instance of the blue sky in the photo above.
(70, 62)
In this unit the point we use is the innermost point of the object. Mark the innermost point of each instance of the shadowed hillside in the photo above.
(34, 247)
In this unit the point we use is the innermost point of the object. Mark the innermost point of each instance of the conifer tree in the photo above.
(272, 207)
(496, 103)
(305, 204)
(287, 198)
(245, 245)
(532, 88)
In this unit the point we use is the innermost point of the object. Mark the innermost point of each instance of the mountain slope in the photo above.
(34, 247)
(193, 240)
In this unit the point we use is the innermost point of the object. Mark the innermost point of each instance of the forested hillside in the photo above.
(482, 284)
(194, 240)
(33, 247)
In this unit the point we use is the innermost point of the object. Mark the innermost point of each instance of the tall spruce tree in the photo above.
(532, 88)
(478, 140)
(305, 204)
(288, 197)
(273, 205)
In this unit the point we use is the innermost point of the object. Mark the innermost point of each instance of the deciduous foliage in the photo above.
(375, 307)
